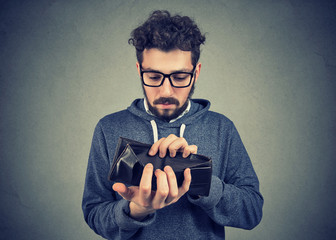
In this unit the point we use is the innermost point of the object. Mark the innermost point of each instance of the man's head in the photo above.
(166, 45)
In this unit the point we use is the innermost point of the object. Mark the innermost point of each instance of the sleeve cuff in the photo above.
(209, 202)
(125, 221)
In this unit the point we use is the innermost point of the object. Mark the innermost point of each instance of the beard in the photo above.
(167, 115)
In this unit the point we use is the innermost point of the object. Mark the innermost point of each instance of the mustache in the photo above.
(163, 100)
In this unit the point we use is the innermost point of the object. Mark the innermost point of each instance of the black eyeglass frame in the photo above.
(167, 76)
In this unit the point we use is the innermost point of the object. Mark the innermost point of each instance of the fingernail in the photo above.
(168, 168)
(149, 165)
(156, 172)
(151, 152)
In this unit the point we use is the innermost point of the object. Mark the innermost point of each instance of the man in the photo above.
(168, 50)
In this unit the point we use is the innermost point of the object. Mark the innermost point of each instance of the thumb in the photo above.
(123, 191)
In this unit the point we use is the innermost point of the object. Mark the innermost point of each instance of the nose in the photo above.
(166, 88)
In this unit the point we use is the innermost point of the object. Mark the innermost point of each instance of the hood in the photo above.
(199, 107)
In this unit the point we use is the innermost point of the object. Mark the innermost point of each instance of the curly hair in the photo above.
(166, 32)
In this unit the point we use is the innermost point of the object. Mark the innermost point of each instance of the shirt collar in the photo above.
(173, 120)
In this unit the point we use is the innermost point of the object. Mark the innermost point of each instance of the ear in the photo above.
(197, 70)
(138, 67)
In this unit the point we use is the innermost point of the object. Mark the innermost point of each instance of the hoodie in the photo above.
(234, 198)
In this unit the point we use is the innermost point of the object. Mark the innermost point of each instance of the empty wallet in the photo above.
(131, 157)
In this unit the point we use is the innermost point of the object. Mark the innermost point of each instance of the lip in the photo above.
(165, 106)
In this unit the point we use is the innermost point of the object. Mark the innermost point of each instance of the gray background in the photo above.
(270, 66)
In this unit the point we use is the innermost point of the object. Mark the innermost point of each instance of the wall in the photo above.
(269, 66)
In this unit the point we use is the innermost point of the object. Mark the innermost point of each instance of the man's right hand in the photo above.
(144, 201)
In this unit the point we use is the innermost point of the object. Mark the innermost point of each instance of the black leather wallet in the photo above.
(131, 157)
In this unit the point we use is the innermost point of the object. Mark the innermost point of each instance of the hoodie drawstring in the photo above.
(156, 134)
(155, 131)
(182, 128)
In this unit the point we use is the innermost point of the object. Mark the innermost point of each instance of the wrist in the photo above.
(139, 213)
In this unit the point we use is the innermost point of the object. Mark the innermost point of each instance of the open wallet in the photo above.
(131, 157)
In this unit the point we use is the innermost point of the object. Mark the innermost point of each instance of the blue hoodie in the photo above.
(234, 198)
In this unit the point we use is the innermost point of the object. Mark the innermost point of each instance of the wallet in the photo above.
(131, 157)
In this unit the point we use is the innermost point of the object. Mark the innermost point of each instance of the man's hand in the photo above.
(143, 200)
(173, 144)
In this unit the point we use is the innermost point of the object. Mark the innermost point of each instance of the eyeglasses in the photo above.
(176, 79)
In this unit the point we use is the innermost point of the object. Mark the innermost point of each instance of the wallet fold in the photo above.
(131, 157)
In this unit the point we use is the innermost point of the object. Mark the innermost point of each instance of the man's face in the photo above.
(166, 101)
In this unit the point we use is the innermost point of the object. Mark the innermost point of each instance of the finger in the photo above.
(186, 182)
(188, 150)
(161, 191)
(176, 145)
(165, 144)
(155, 147)
(172, 183)
(145, 187)
(122, 190)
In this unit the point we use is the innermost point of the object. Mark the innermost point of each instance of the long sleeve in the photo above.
(234, 200)
(104, 211)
